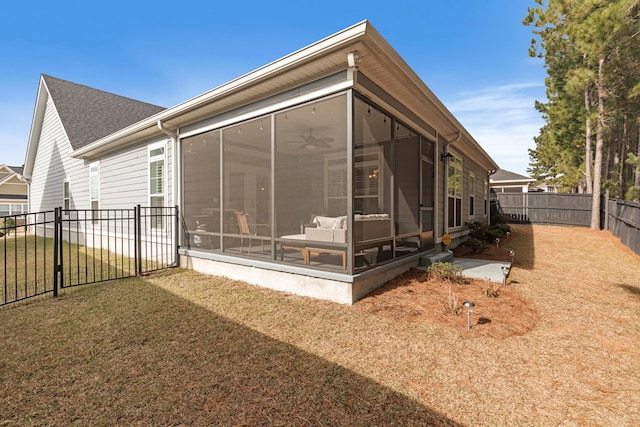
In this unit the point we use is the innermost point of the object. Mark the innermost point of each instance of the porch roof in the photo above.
(375, 58)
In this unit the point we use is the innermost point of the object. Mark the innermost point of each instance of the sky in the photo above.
(471, 54)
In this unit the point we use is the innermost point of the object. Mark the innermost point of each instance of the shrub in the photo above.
(492, 291)
(8, 222)
(475, 246)
(445, 271)
(477, 230)
(499, 219)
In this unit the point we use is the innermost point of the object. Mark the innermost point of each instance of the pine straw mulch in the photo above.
(414, 297)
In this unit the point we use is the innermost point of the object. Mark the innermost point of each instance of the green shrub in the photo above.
(445, 271)
(477, 230)
(475, 246)
(8, 222)
(499, 219)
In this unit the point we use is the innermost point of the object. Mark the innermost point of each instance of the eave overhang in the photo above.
(377, 60)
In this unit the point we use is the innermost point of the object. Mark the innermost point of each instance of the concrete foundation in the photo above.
(336, 287)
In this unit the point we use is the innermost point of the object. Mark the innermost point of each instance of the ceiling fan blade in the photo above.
(323, 140)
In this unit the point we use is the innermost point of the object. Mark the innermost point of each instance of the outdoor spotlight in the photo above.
(469, 306)
(512, 254)
(508, 234)
(497, 242)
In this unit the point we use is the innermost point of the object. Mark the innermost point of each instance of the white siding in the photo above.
(124, 177)
(53, 165)
(123, 174)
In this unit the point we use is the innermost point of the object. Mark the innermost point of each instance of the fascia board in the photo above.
(36, 127)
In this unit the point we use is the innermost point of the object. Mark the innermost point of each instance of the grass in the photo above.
(182, 348)
(28, 269)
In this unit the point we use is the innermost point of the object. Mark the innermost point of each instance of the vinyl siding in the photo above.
(53, 165)
(123, 175)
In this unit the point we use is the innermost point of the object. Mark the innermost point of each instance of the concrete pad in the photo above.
(482, 269)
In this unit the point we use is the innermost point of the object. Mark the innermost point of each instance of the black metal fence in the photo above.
(47, 251)
(544, 208)
(623, 221)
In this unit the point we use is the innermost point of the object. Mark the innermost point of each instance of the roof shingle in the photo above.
(89, 114)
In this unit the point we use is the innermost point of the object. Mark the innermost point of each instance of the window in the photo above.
(454, 188)
(66, 196)
(156, 184)
(94, 192)
(472, 194)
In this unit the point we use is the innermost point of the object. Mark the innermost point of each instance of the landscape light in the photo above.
(469, 306)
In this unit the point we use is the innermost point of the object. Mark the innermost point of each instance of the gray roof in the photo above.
(505, 175)
(89, 114)
(16, 169)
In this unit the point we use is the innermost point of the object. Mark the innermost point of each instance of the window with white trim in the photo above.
(454, 188)
(94, 191)
(66, 196)
(472, 194)
(157, 183)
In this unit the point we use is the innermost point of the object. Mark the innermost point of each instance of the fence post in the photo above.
(606, 209)
(56, 250)
(176, 236)
(138, 239)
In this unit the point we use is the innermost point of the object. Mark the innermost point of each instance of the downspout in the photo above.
(445, 160)
(173, 135)
(28, 182)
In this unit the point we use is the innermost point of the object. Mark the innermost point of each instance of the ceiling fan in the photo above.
(310, 141)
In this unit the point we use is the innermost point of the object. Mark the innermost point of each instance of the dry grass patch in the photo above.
(182, 348)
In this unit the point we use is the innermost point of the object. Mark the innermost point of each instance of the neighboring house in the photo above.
(13, 191)
(325, 173)
(504, 181)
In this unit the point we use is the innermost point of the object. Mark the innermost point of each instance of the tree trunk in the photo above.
(624, 148)
(588, 155)
(597, 164)
(636, 168)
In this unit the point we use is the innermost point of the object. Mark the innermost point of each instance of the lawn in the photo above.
(181, 348)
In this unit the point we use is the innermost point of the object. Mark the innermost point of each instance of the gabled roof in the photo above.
(504, 175)
(89, 114)
(13, 173)
(15, 169)
(86, 114)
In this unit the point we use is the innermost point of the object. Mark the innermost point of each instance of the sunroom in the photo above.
(335, 184)
(323, 173)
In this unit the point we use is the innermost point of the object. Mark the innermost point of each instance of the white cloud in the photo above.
(503, 120)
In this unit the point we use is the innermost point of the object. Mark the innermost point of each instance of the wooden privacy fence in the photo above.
(623, 221)
(544, 208)
(620, 217)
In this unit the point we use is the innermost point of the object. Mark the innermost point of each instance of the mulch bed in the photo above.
(412, 297)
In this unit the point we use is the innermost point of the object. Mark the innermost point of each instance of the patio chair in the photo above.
(247, 228)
